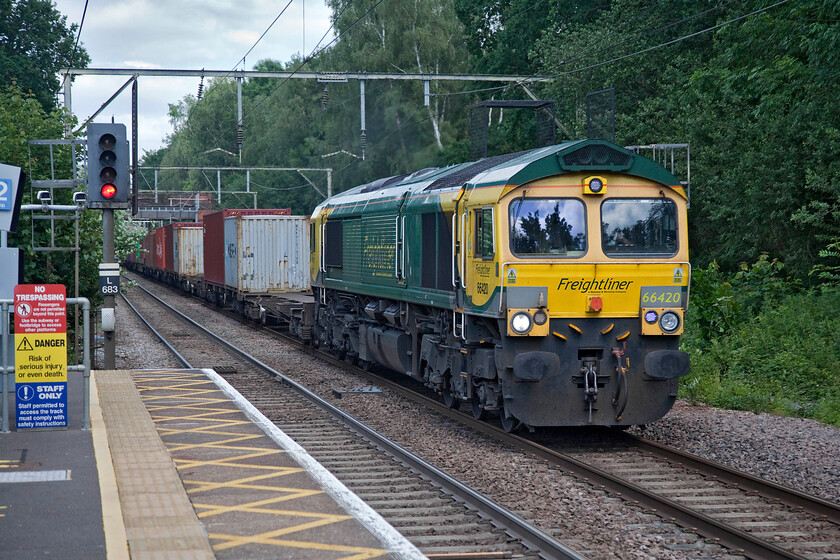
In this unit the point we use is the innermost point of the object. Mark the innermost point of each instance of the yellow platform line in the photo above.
(150, 400)
(255, 507)
(358, 553)
(185, 381)
(210, 430)
(209, 415)
(169, 386)
(221, 444)
(203, 486)
(166, 391)
(226, 462)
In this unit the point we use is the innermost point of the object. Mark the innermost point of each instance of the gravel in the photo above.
(802, 454)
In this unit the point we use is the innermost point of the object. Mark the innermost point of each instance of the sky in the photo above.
(183, 35)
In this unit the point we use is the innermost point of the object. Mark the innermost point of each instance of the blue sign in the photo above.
(11, 178)
(41, 405)
(6, 192)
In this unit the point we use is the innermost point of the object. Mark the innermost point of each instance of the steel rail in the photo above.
(545, 545)
(159, 336)
(812, 504)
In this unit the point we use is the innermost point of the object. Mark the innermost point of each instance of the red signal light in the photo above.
(108, 191)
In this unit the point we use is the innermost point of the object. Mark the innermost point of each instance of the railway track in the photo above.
(746, 515)
(438, 514)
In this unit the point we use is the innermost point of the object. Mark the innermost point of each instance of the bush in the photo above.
(786, 360)
(721, 302)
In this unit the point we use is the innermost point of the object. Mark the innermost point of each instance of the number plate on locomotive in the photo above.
(661, 296)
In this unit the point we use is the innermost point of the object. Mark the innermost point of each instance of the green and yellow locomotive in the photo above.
(548, 285)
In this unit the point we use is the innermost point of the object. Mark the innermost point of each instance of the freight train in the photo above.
(548, 287)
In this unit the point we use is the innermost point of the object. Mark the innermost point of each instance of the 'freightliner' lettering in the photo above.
(602, 285)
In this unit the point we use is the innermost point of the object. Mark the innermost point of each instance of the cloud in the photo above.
(180, 34)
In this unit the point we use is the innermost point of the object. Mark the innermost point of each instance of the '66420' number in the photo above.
(661, 296)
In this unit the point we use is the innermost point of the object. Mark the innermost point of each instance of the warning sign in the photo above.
(40, 308)
(511, 276)
(41, 355)
(25, 345)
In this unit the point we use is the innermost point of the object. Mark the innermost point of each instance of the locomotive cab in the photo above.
(592, 277)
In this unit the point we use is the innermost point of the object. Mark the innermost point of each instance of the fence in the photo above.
(7, 371)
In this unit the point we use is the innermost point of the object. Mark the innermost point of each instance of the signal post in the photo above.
(108, 189)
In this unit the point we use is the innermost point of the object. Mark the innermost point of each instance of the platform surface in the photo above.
(174, 468)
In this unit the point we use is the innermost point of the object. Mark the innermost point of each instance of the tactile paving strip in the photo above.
(252, 498)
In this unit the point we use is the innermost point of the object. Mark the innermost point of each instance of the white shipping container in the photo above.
(188, 251)
(267, 254)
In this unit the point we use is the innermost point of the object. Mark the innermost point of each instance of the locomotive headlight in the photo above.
(521, 322)
(594, 185)
(669, 322)
(651, 316)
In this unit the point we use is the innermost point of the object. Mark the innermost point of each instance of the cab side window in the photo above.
(484, 230)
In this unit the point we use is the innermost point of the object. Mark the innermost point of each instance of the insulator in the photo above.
(364, 143)
(324, 99)
(200, 86)
(239, 138)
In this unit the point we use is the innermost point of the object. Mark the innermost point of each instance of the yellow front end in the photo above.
(591, 275)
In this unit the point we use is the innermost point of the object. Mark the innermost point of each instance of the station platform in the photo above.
(176, 465)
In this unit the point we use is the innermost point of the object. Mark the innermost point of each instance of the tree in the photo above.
(419, 37)
(35, 42)
(23, 119)
(501, 34)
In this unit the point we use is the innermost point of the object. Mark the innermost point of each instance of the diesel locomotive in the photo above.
(548, 286)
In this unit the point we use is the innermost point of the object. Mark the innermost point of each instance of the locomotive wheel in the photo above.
(477, 412)
(449, 399)
(509, 423)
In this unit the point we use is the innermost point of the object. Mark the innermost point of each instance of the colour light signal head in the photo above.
(108, 166)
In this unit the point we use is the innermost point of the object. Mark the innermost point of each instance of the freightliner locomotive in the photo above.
(548, 286)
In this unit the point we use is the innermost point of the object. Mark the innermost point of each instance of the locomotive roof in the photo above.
(514, 169)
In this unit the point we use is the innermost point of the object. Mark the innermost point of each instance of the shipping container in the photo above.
(267, 254)
(188, 249)
(160, 244)
(168, 253)
(148, 252)
(214, 239)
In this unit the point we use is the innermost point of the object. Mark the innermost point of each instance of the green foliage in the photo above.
(35, 42)
(127, 235)
(786, 360)
(829, 272)
(501, 35)
(722, 302)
